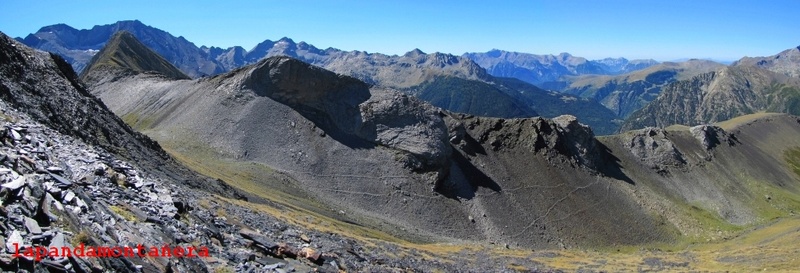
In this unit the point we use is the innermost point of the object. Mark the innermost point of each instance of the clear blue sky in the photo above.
(662, 30)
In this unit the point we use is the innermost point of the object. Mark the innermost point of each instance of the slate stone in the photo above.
(13, 242)
(32, 226)
(61, 182)
(16, 184)
(58, 241)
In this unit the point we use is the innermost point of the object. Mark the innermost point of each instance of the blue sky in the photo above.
(662, 30)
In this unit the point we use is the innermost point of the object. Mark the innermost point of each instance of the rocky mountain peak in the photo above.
(124, 52)
(414, 53)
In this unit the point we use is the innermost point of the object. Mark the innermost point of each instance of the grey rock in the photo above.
(653, 147)
(14, 134)
(58, 241)
(68, 197)
(61, 182)
(711, 136)
(32, 226)
(580, 139)
(16, 184)
(14, 242)
(407, 124)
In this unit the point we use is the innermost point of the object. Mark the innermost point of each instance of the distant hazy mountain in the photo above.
(78, 46)
(626, 93)
(787, 62)
(540, 69)
(716, 96)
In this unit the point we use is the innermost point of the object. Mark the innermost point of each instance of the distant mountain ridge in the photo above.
(415, 72)
(719, 95)
(540, 69)
(623, 94)
(786, 62)
(78, 46)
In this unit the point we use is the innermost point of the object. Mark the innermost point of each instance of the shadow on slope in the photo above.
(612, 166)
(464, 180)
(328, 100)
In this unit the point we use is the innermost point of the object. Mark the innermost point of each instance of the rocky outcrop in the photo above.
(387, 119)
(407, 124)
(561, 136)
(711, 136)
(654, 149)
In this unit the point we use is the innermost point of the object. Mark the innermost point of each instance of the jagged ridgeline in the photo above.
(307, 137)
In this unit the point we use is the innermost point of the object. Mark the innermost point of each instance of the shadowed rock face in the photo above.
(296, 83)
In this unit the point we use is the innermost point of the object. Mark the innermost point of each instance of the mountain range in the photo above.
(720, 95)
(315, 151)
(475, 83)
(543, 70)
(626, 93)
(438, 78)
